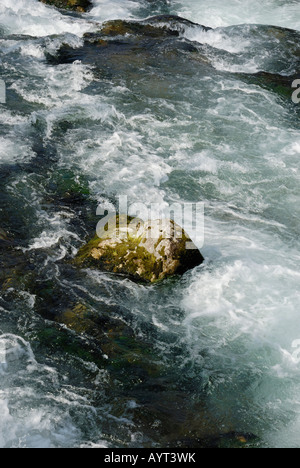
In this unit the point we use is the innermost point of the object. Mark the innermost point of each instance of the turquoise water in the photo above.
(181, 120)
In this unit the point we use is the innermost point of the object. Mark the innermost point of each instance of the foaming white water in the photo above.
(242, 319)
(225, 41)
(14, 352)
(246, 48)
(218, 39)
(36, 402)
(12, 151)
(55, 88)
(37, 19)
(215, 139)
(21, 426)
(104, 10)
(221, 13)
(142, 165)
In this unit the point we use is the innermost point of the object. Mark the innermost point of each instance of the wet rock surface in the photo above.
(74, 5)
(149, 251)
(120, 46)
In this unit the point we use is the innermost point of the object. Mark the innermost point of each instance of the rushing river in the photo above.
(90, 359)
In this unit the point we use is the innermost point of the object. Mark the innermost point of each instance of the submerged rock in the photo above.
(157, 26)
(121, 28)
(74, 5)
(226, 440)
(148, 251)
(113, 340)
(3, 235)
(279, 84)
(130, 50)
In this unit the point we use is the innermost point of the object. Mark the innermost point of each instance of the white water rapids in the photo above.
(233, 324)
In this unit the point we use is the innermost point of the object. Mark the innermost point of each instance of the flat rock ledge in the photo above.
(146, 251)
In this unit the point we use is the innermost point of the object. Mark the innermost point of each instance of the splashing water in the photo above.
(185, 124)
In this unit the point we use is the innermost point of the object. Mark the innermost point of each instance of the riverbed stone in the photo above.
(74, 5)
(122, 28)
(148, 251)
(157, 27)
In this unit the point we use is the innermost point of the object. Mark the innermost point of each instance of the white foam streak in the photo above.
(37, 19)
(34, 404)
(13, 151)
(220, 13)
(104, 10)
(218, 39)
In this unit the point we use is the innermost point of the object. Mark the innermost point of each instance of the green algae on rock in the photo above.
(156, 27)
(149, 251)
(74, 5)
(121, 28)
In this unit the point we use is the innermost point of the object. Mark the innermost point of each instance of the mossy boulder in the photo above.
(74, 5)
(149, 251)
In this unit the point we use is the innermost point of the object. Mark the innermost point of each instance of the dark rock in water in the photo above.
(114, 340)
(129, 58)
(3, 235)
(74, 5)
(127, 49)
(282, 47)
(148, 251)
(277, 83)
(174, 22)
(157, 26)
(227, 440)
(15, 270)
(121, 28)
